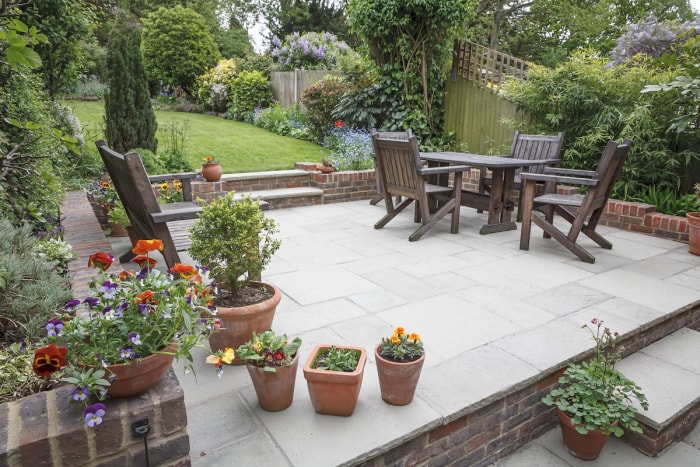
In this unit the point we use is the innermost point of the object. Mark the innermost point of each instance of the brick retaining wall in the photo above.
(492, 430)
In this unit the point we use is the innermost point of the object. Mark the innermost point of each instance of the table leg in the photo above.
(500, 202)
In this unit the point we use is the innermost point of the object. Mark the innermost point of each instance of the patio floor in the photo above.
(490, 316)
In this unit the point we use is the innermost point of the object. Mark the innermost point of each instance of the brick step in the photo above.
(668, 371)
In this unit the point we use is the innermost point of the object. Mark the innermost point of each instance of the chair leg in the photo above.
(391, 211)
(457, 195)
(526, 209)
(432, 220)
(566, 242)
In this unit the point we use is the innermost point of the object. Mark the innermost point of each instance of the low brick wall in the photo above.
(45, 429)
(488, 432)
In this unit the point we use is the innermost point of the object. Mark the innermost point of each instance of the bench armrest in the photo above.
(558, 179)
(572, 172)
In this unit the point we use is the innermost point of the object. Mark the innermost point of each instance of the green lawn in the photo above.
(240, 147)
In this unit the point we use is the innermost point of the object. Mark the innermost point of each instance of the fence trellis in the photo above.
(487, 67)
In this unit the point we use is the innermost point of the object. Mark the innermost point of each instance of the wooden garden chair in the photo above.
(527, 147)
(149, 218)
(402, 174)
(400, 135)
(581, 211)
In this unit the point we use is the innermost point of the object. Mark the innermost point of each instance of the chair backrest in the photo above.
(536, 147)
(607, 173)
(399, 164)
(400, 135)
(133, 187)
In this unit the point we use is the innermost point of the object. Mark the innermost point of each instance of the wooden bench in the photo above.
(149, 218)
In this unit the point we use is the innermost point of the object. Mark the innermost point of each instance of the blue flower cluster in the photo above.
(350, 148)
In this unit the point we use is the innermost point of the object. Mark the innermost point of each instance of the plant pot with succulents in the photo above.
(233, 238)
(593, 399)
(334, 378)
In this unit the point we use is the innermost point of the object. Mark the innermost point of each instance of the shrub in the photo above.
(31, 289)
(309, 51)
(320, 100)
(251, 91)
(284, 121)
(212, 89)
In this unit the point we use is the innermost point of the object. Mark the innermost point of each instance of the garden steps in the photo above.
(668, 371)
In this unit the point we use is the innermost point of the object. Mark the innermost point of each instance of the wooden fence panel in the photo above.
(287, 86)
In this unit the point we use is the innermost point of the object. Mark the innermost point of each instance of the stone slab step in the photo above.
(264, 175)
(281, 193)
(668, 371)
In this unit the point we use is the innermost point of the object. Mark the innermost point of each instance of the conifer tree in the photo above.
(130, 122)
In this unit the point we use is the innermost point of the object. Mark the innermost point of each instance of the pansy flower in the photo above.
(108, 289)
(144, 246)
(101, 260)
(220, 358)
(145, 261)
(49, 359)
(126, 352)
(184, 270)
(80, 393)
(53, 327)
(93, 414)
(71, 305)
(135, 338)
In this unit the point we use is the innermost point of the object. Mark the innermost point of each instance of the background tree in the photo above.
(67, 24)
(129, 117)
(411, 41)
(285, 17)
(177, 46)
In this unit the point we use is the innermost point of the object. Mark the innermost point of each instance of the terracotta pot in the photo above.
(586, 447)
(117, 230)
(693, 232)
(275, 390)
(239, 323)
(324, 169)
(398, 381)
(334, 392)
(136, 378)
(212, 171)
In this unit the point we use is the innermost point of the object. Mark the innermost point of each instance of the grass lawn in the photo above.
(240, 147)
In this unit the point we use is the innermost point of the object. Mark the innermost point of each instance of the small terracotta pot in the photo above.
(275, 390)
(117, 230)
(239, 323)
(334, 392)
(693, 232)
(212, 171)
(586, 447)
(398, 381)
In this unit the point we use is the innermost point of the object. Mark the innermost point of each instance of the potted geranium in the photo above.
(234, 239)
(334, 377)
(118, 220)
(272, 362)
(121, 339)
(593, 399)
(399, 363)
(211, 169)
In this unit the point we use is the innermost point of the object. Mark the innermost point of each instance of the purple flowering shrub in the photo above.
(308, 51)
(653, 39)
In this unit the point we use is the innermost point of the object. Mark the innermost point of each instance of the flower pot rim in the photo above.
(314, 352)
(295, 357)
(412, 362)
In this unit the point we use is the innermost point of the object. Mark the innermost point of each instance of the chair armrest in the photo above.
(572, 172)
(558, 179)
(443, 170)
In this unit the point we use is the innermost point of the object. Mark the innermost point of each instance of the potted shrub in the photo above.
(593, 399)
(334, 377)
(118, 220)
(399, 363)
(234, 239)
(122, 338)
(272, 361)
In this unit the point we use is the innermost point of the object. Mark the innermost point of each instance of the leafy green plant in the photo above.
(668, 201)
(336, 359)
(284, 121)
(251, 90)
(320, 100)
(594, 393)
(269, 350)
(117, 215)
(234, 238)
(55, 249)
(401, 347)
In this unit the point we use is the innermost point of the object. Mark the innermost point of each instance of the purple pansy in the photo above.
(93, 414)
(53, 327)
(135, 338)
(80, 393)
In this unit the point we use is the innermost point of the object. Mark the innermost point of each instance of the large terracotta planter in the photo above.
(239, 323)
(138, 377)
(398, 381)
(334, 392)
(693, 232)
(212, 171)
(275, 390)
(586, 447)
